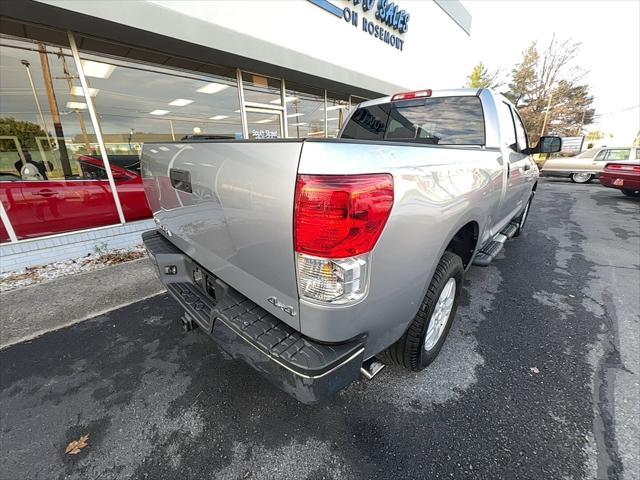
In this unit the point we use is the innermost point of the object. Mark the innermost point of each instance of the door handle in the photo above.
(180, 180)
(45, 193)
(527, 167)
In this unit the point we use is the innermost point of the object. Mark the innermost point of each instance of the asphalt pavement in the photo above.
(537, 380)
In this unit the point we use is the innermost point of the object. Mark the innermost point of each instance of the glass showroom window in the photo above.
(137, 103)
(305, 111)
(262, 91)
(355, 101)
(337, 111)
(47, 145)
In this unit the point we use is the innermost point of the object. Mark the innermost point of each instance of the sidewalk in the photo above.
(29, 312)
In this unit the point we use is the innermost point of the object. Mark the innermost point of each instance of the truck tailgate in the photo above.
(229, 206)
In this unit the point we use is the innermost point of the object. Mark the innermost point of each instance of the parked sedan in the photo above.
(623, 176)
(38, 205)
(582, 169)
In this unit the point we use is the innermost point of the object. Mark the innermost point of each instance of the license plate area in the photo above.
(211, 286)
(205, 282)
(618, 182)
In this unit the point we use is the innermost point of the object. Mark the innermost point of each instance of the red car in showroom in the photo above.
(624, 176)
(38, 205)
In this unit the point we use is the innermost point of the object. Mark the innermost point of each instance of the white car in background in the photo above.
(587, 165)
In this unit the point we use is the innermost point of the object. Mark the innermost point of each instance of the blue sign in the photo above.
(387, 13)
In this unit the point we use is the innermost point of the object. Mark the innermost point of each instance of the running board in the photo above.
(490, 251)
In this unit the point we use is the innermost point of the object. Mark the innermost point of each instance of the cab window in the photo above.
(507, 126)
(600, 156)
(521, 134)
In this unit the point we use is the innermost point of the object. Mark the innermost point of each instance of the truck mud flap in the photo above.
(307, 370)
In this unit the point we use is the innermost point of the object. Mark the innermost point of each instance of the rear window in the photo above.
(433, 121)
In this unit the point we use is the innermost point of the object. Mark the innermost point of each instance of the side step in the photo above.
(490, 251)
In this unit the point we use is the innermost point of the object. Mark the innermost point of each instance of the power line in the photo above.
(617, 111)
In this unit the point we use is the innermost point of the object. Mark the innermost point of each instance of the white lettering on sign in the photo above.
(262, 134)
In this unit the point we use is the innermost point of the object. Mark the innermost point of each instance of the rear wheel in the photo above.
(631, 193)
(581, 177)
(422, 341)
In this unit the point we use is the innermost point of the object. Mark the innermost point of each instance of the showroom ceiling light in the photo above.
(180, 102)
(295, 115)
(297, 124)
(212, 88)
(266, 120)
(77, 91)
(159, 112)
(336, 107)
(77, 105)
(97, 69)
(218, 117)
(333, 118)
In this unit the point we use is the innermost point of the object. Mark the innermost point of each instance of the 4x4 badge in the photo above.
(285, 308)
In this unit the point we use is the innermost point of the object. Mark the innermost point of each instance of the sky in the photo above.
(609, 31)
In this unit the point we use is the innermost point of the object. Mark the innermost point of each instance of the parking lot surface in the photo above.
(538, 379)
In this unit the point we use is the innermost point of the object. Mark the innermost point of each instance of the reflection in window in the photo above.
(138, 104)
(44, 131)
(435, 121)
(440, 121)
(305, 111)
(618, 154)
(337, 112)
(46, 123)
(261, 90)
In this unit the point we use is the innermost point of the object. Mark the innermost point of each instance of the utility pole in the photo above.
(546, 115)
(67, 76)
(55, 113)
(45, 129)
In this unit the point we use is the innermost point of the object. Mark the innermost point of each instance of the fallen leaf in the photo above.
(535, 370)
(75, 446)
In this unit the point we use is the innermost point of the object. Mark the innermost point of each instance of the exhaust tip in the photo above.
(371, 368)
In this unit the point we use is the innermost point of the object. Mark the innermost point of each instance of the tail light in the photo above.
(621, 166)
(337, 222)
(411, 95)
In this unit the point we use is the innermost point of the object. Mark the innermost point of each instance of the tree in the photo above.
(481, 78)
(26, 132)
(550, 85)
(595, 135)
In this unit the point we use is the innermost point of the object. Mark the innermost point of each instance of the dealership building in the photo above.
(85, 83)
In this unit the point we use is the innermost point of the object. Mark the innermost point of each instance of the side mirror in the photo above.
(549, 144)
(119, 177)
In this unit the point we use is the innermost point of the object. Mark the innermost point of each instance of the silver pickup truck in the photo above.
(318, 260)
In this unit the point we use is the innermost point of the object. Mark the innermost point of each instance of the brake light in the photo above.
(411, 95)
(339, 216)
(337, 222)
(619, 166)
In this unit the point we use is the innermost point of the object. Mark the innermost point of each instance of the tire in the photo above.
(410, 351)
(631, 193)
(521, 219)
(581, 177)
